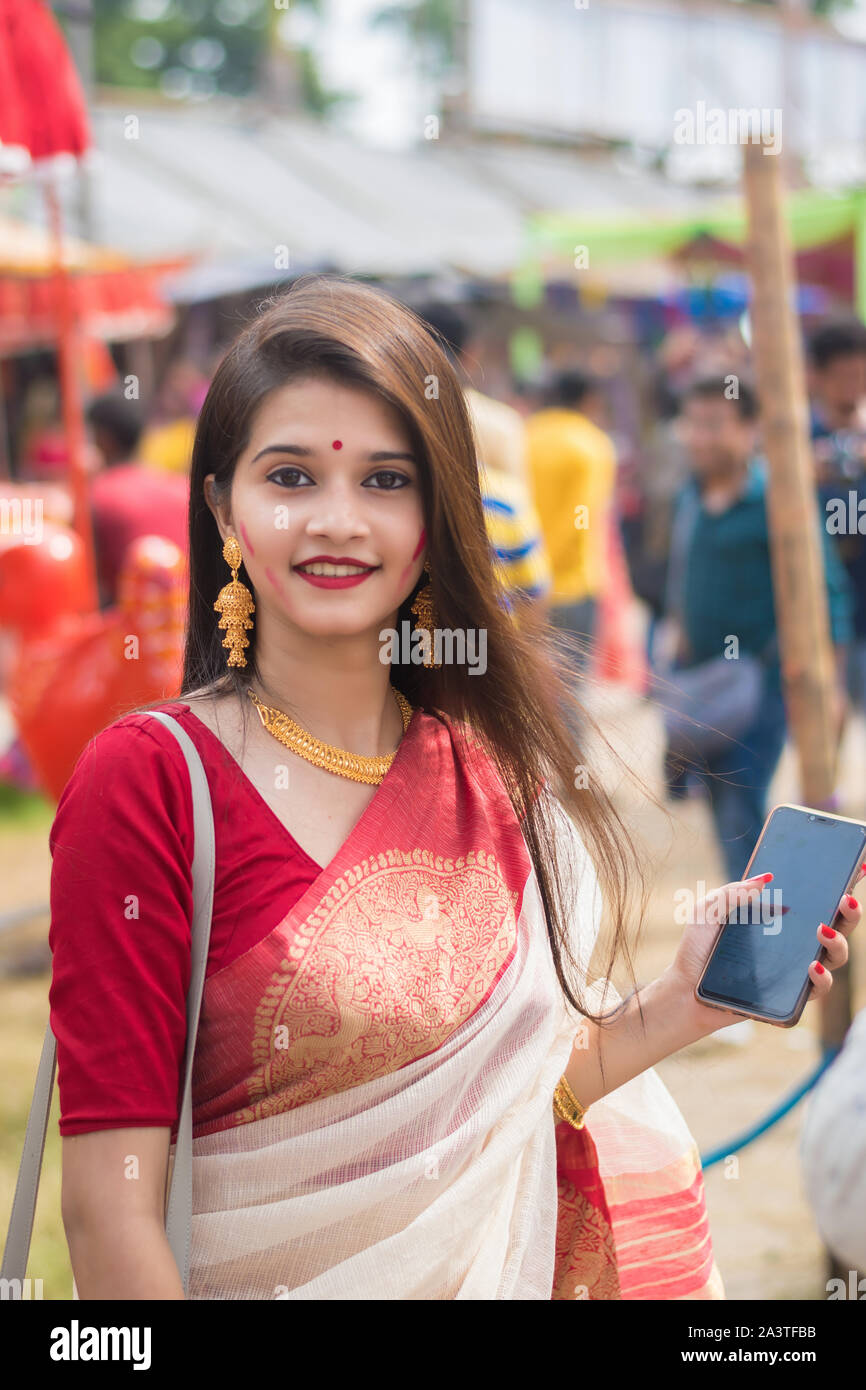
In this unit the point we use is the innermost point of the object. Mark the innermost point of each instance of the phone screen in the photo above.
(761, 959)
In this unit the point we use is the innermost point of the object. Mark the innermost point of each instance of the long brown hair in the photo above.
(334, 326)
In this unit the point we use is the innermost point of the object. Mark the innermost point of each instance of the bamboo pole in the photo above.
(800, 595)
(799, 589)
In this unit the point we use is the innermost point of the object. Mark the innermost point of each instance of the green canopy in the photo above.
(814, 219)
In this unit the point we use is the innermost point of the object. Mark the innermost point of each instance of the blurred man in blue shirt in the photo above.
(724, 591)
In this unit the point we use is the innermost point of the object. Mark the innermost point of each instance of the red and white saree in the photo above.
(374, 1079)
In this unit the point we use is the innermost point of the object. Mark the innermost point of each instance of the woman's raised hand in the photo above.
(699, 936)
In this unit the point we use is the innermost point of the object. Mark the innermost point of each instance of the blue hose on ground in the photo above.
(750, 1135)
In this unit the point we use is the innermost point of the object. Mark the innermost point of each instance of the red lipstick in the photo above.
(335, 581)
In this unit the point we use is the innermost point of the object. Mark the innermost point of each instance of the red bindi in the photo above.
(337, 444)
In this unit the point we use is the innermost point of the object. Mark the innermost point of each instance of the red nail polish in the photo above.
(819, 969)
(852, 901)
(827, 931)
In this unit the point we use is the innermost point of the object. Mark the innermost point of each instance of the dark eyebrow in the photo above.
(381, 456)
(283, 449)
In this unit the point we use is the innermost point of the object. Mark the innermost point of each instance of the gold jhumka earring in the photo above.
(425, 612)
(235, 603)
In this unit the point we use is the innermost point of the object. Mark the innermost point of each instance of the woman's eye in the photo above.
(288, 477)
(281, 472)
(402, 480)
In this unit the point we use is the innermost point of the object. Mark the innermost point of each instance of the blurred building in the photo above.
(630, 72)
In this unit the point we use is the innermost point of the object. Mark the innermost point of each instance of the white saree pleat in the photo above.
(435, 1181)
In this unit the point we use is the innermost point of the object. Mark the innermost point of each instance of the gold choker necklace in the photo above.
(337, 760)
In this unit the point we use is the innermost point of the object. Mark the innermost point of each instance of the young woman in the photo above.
(398, 1038)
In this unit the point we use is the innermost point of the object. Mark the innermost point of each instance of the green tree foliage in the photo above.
(198, 47)
(126, 53)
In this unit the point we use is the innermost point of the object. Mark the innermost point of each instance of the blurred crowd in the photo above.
(579, 534)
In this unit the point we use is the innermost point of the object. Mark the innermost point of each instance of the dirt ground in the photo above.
(764, 1236)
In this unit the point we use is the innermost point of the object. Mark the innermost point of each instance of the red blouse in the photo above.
(121, 907)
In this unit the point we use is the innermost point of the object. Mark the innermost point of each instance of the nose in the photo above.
(336, 511)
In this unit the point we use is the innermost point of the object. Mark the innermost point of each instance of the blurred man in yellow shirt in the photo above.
(168, 438)
(572, 469)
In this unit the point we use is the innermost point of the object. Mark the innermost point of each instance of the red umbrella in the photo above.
(42, 106)
(43, 114)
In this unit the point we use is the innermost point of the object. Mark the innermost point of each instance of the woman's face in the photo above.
(328, 475)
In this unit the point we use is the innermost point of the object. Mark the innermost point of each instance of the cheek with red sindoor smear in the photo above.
(417, 551)
(247, 542)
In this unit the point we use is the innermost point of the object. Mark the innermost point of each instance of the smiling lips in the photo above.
(329, 573)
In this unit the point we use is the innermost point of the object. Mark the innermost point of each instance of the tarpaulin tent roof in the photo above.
(231, 185)
(29, 250)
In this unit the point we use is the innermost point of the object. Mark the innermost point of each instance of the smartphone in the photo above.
(759, 963)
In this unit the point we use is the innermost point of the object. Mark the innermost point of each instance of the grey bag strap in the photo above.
(178, 1221)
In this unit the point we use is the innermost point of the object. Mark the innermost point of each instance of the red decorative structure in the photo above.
(42, 115)
(75, 669)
